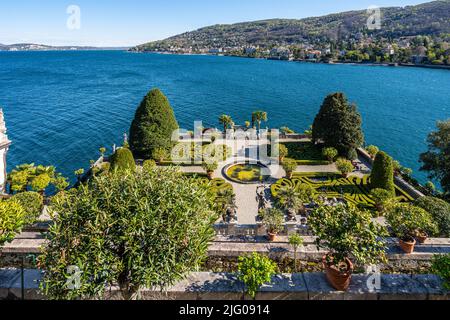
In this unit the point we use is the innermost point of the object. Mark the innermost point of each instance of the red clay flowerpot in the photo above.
(338, 280)
(407, 245)
(422, 237)
(271, 236)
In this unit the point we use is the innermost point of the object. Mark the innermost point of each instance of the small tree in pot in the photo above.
(210, 168)
(348, 233)
(407, 222)
(330, 154)
(255, 271)
(273, 220)
(381, 198)
(289, 165)
(344, 166)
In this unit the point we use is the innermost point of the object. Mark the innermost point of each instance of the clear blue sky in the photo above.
(131, 22)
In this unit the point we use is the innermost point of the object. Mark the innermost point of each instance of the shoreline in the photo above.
(372, 64)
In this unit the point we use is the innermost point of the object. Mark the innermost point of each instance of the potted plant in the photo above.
(381, 197)
(289, 165)
(295, 241)
(210, 168)
(344, 166)
(273, 220)
(351, 236)
(330, 154)
(255, 271)
(406, 222)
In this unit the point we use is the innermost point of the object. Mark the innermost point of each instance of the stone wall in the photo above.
(225, 286)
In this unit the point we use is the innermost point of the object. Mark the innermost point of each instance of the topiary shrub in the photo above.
(153, 125)
(439, 210)
(255, 271)
(382, 176)
(32, 203)
(122, 160)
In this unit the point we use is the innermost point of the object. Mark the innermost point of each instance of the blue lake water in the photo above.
(60, 107)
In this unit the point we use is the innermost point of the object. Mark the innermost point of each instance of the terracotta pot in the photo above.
(422, 237)
(407, 245)
(210, 175)
(338, 280)
(271, 236)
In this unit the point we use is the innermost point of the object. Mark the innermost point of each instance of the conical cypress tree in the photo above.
(382, 176)
(153, 125)
(338, 125)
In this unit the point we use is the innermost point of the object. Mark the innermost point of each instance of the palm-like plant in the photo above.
(258, 117)
(289, 199)
(226, 121)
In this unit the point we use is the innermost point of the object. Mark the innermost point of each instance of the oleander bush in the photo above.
(12, 219)
(32, 203)
(439, 210)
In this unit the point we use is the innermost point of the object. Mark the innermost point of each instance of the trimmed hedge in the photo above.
(356, 190)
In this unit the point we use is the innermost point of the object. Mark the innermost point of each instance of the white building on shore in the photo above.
(4, 147)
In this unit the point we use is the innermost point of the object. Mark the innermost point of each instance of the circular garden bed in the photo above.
(247, 173)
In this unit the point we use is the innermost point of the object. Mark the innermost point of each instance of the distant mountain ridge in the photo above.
(429, 19)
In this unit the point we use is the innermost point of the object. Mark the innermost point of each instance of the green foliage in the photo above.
(381, 197)
(61, 183)
(372, 150)
(406, 220)
(11, 220)
(32, 203)
(289, 165)
(441, 267)
(296, 241)
(226, 121)
(283, 151)
(330, 153)
(439, 210)
(160, 154)
(149, 165)
(102, 151)
(273, 220)
(255, 271)
(40, 182)
(348, 233)
(258, 117)
(437, 160)
(382, 176)
(144, 229)
(122, 160)
(210, 167)
(30, 176)
(286, 130)
(344, 166)
(153, 125)
(338, 125)
(355, 190)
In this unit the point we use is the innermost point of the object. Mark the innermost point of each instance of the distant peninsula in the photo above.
(43, 47)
